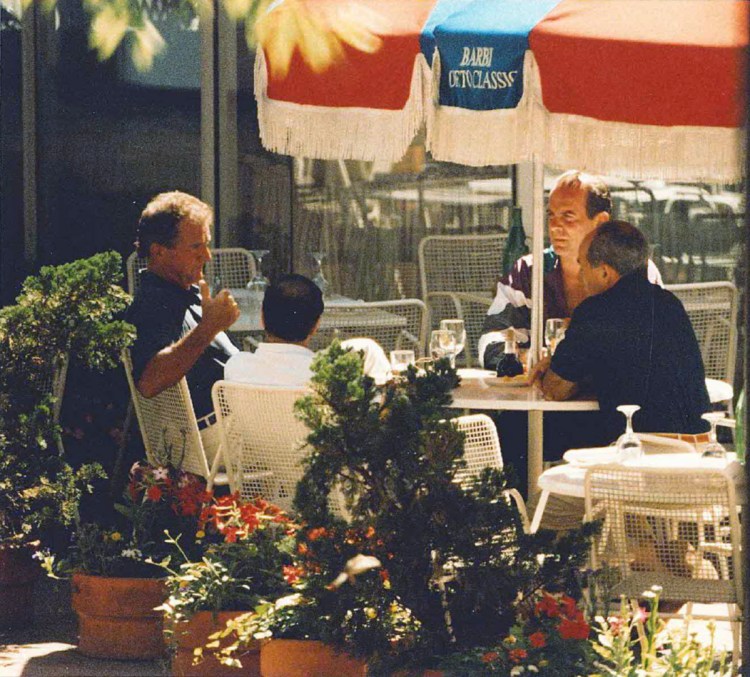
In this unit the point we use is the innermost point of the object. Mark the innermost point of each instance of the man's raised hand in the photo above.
(219, 312)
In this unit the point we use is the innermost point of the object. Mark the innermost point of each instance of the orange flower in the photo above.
(538, 640)
(315, 534)
(490, 656)
(517, 655)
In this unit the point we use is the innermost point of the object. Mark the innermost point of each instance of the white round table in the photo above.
(568, 479)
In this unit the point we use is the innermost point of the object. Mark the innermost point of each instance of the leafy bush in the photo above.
(426, 566)
(68, 309)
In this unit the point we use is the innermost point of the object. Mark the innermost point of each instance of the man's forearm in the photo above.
(170, 364)
(556, 388)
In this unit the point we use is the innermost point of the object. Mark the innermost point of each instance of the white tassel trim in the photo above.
(330, 133)
(500, 137)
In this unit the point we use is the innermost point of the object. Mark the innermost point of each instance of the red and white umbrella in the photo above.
(641, 88)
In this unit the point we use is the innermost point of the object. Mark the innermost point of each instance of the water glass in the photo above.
(443, 344)
(401, 359)
(554, 332)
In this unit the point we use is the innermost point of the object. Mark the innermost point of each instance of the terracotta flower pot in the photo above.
(116, 617)
(307, 658)
(18, 573)
(194, 633)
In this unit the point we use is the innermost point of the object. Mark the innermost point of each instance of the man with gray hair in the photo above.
(630, 340)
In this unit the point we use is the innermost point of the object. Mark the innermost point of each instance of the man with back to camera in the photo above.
(578, 203)
(631, 340)
(180, 327)
(292, 308)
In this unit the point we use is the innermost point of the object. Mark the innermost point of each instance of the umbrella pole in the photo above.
(535, 442)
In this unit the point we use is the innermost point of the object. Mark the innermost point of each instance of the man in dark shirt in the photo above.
(631, 340)
(180, 327)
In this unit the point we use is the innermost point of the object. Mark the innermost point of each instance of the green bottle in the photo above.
(739, 429)
(515, 247)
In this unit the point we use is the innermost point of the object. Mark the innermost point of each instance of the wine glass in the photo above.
(459, 331)
(554, 332)
(259, 282)
(443, 344)
(629, 447)
(319, 279)
(401, 359)
(713, 449)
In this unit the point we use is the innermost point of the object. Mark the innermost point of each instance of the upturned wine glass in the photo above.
(259, 282)
(319, 279)
(629, 447)
(713, 449)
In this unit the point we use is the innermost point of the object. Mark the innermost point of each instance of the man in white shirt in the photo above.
(292, 308)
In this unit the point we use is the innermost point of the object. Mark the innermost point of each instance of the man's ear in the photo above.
(315, 328)
(602, 217)
(155, 250)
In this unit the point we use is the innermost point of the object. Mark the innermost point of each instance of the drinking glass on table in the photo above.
(554, 332)
(629, 447)
(258, 283)
(443, 344)
(401, 359)
(319, 279)
(459, 331)
(713, 449)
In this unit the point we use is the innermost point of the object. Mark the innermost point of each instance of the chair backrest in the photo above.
(168, 425)
(481, 445)
(460, 263)
(262, 440)
(395, 325)
(53, 383)
(673, 527)
(712, 308)
(229, 267)
(135, 264)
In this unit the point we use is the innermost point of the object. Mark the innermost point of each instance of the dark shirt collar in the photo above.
(152, 280)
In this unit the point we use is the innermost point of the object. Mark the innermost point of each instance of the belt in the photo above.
(206, 421)
(699, 438)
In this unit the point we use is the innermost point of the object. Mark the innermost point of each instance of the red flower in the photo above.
(230, 534)
(570, 607)
(384, 575)
(548, 605)
(574, 629)
(538, 640)
(154, 493)
(517, 655)
(291, 573)
(490, 656)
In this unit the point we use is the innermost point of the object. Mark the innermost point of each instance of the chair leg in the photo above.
(736, 637)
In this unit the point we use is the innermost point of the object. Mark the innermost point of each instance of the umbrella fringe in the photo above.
(489, 137)
(331, 133)
(714, 154)
(495, 137)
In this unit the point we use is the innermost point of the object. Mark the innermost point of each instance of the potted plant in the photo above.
(245, 558)
(426, 567)
(64, 310)
(116, 589)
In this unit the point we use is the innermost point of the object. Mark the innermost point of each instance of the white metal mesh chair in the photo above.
(170, 429)
(482, 450)
(712, 308)
(458, 274)
(676, 527)
(229, 267)
(395, 325)
(262, 440)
